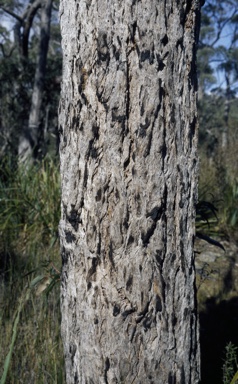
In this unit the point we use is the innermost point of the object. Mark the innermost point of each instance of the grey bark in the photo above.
(32, 133)
(128, 125)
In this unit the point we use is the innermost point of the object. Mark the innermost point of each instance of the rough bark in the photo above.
(128, 126)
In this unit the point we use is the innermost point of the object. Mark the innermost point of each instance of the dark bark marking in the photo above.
(182, 255)
(173, 257)
(142, 314)
(126, 219)
(84, 100)
(156, 213)
(147, 150)
(129, 283)
(161, 91)
(147, 322)
(119, 41)
(185, 313)
(182, 375)
(60, 130)
(134, 26)
(99, 195)
(106, 369)
(179, 42)
(145, 55)
(127, 313)
(103, 49)
(93, 268)
(133, 333)
(142, 109)
(102, 100)
(64, 255)
(92, 151)
(74, 219)
(143, 128)
(171, 378)
(95, 130)
(76, 379)
(161, 65)
(116, 310)
(85, 177)
(192, 132)
(117, 195)
(127, 161)
(88, 4)
(145, 237)
(116, 52)
(128, 94)
(130, 240)
(174, 320)
(119, 118)
(110, 254)
(72, 350)
(69, 237)
(164, 40)
(159, 257)
(158, 304)
(99, 245)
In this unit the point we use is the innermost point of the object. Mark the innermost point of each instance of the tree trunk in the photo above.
(128, 125)
(29, 143)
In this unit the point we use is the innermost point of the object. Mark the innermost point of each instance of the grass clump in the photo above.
(230, 366)
(31, 349)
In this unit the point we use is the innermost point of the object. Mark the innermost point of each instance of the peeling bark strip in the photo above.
(128, 124)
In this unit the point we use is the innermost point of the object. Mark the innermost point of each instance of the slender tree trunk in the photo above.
(32, 134)
(128, 125)
(224, 137)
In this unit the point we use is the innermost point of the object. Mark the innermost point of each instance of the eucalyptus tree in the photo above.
(217, 58)
(25, 37)
(128, 127)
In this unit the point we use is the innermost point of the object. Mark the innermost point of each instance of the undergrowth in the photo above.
(31, 349)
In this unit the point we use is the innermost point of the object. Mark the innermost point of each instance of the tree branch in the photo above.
(19, 18)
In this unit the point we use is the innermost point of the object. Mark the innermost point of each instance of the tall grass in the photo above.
(29, 261)
(230, 366)
(219, 185)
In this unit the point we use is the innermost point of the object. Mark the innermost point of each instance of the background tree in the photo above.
(128, 164)
(217, 64)
(24, 50)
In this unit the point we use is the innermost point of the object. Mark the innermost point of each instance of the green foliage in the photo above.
(206, 219)
(14, 335)
(31, 350)
(231, 204)
(220, 178)
(230, 366)
(30, 203)
(17, 73)
(217, 49)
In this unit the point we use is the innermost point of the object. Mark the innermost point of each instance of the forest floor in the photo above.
(217, 292)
